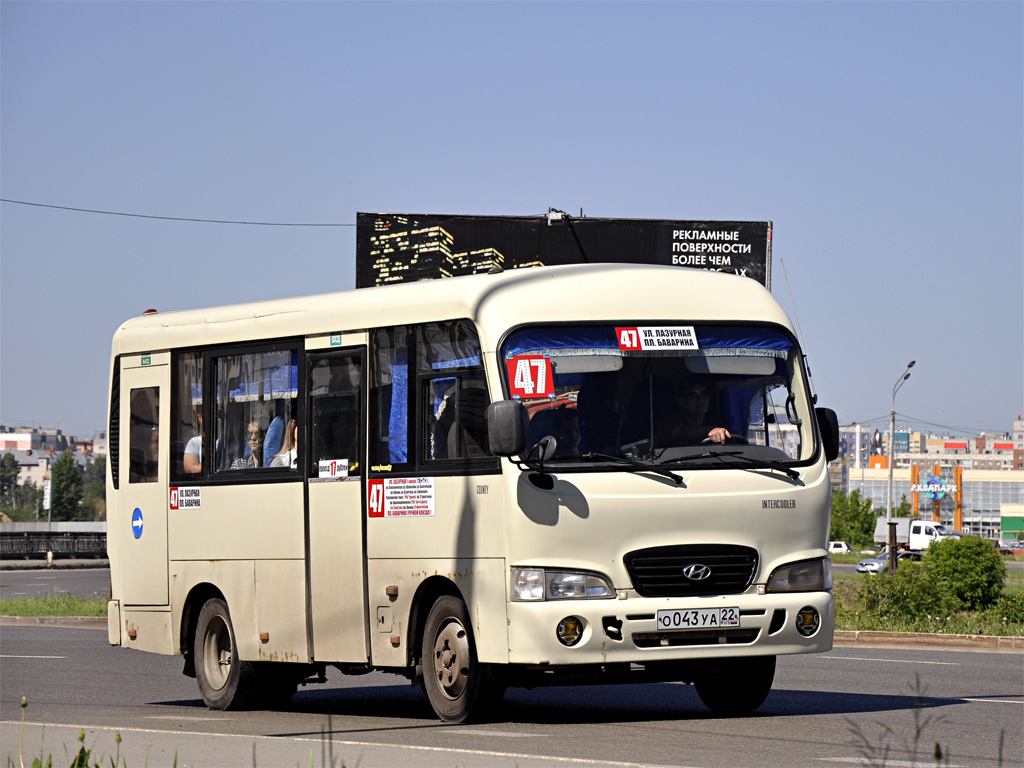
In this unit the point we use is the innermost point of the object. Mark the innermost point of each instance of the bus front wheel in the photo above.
(741, 687)
(225, 681)
(456, 683)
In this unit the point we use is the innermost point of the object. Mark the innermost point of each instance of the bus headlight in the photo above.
(805, 576)
(545, 584)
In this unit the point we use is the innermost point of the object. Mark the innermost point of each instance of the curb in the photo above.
(58, 565)
(77, 622)
(926, 641)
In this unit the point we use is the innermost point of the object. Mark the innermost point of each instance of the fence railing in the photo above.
(27, 540)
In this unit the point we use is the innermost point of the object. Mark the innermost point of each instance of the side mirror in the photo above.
(506, 427)
(828, 428)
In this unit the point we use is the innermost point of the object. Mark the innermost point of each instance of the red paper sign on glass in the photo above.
(530, 376)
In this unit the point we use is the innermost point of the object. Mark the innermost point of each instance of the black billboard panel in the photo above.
(398, 247)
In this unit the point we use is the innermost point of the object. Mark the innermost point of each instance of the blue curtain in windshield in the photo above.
(594, 339)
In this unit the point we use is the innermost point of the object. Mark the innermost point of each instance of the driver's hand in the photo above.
(719, 435)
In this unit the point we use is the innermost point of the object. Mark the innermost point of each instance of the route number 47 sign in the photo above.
(530, 376)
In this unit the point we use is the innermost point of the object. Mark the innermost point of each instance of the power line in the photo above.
(172, 218)
(913, 420)
(973, 430)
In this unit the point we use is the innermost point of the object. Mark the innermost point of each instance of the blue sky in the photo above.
(884, 140)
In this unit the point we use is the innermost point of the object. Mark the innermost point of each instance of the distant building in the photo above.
(33, 439)
(974, 484)
(34, 449)
(1018, 443)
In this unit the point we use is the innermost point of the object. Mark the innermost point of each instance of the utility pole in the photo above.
(892, 448)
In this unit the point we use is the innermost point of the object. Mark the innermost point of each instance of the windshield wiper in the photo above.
(638, 465)
(759, 463)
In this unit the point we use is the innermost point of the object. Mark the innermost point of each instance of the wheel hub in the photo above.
(451, 659)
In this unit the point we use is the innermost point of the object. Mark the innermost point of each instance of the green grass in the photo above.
(851, 616)
(1014, 582)
(57, 604)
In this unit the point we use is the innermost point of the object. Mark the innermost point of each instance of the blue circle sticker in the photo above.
(137, 523)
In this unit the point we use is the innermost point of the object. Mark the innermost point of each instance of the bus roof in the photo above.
(573, 293)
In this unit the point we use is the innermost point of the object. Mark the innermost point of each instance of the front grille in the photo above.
(658, 571)
(677, 639)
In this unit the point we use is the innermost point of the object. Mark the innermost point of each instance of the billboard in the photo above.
(401, 247)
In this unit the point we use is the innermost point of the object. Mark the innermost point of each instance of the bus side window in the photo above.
(453, 392)
(456, 425)
(144, 434)
(187, 416)
(389, 401)
(335, 400)
(256, 396)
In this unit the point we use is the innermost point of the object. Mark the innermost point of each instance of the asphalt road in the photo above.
(828, 709)
(90, 581)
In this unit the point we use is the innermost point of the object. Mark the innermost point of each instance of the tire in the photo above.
(458, 686)
(224, 680)
(741, 686)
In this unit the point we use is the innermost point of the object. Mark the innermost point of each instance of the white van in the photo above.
(922, 534)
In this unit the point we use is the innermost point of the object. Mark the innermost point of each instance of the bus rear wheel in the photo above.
(225, 681)
(740, 687)
(457, 684)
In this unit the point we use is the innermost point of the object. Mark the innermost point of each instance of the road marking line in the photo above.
(471, 732)
(318, 739)
(900, 661)
(12, 656)
(865, 761)
(176, 717)
(996, 701)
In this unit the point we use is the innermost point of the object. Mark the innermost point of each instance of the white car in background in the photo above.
(881, 563)
(839, 548)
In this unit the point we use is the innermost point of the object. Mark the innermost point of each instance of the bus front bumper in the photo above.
(571, 632)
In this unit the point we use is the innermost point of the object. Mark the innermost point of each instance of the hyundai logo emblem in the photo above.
(696, 572)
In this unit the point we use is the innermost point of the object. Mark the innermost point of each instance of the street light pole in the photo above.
(892, 445)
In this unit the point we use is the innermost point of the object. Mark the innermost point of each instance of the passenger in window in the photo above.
(254, 438)
(193, 460)
(288, 455)
(695, 395)
(272, 442)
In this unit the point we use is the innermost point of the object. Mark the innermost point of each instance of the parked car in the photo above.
(839, 548)
(874, 564)
(881, 563)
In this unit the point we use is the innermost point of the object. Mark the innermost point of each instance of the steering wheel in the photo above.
(731, 440)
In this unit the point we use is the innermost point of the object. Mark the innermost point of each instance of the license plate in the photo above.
(698, 618)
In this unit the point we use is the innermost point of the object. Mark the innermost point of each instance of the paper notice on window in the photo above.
(332, 469)
(401, 497)
(641, 338)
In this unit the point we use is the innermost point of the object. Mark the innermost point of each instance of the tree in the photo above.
(853, 519)
(970, 569)
(65, 489)
(22, 503)
(8, 474)
(94, 489)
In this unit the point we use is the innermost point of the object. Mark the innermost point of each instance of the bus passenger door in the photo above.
(336, 543)
(140, 522)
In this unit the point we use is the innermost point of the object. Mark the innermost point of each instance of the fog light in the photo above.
(569, 631)
(807, 621)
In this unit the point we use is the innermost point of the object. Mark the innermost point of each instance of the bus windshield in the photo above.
(666, 393)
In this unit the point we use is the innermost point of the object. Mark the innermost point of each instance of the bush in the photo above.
(1009, 608)
(913, 592)
(969, 569)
